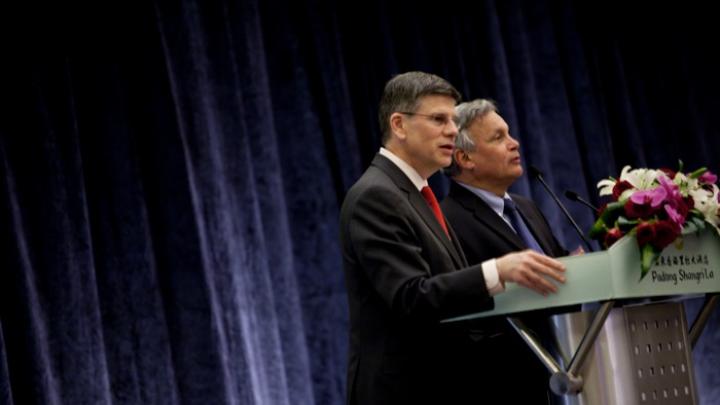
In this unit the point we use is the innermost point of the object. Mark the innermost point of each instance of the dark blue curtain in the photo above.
(171, 172)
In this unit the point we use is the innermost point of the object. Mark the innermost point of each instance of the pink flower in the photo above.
(679, 204)
(672, 190)
(675, 217)
(643, 204)
(708, 178)
(655, 197)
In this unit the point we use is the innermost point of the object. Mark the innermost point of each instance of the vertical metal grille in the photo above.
(659, 354)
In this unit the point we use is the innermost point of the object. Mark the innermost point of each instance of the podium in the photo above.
(634, 347)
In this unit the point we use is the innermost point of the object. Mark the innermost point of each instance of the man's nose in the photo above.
(451, 128)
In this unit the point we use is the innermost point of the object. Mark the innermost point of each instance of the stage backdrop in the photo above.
(171, 172)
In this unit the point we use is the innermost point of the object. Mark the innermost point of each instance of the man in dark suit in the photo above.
(405, 270)
(490, 222)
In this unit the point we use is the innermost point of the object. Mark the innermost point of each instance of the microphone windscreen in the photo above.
(571, 195)
(534, 171)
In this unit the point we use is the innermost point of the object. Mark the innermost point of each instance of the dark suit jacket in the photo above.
(484, 236)
(403, 276)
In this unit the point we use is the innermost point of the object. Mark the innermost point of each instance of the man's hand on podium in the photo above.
(529, 269)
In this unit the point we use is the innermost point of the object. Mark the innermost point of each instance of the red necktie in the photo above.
(432, 202)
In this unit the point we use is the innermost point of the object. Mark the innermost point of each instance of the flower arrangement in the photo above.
(657, 207)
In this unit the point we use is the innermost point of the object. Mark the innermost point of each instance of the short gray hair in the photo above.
(403, 92)
(466, 114)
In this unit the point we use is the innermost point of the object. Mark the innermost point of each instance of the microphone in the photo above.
(573, 196)
(536, 173)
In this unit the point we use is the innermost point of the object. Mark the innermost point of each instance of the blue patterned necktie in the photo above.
(510, 212)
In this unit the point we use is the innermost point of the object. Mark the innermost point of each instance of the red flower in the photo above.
(612, 236)
(603, 207)
(677, 210)
(619, 187)
(668, 172)
(645, 233)
(689, 202)
(665, 233)
(634, 210)
(683, 208)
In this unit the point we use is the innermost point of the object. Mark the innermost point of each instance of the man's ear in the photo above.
(397, 125)
(463, 159)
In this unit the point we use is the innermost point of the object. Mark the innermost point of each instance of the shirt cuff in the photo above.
(492, 278)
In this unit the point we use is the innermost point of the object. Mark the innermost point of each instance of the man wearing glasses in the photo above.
(405, 269)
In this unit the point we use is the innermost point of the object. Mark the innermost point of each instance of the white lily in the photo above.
(706, 201)
(641, 179)
(606, 186)
(685, 183)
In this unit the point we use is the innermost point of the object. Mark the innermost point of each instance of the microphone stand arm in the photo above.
(565, 212)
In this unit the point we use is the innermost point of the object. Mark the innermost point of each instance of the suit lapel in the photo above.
(423, 209)
(456, 242)
(486, 215)
(417, 201)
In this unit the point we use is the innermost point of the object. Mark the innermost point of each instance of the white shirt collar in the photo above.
(417, 180)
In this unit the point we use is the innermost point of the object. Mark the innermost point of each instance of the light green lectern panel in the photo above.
(690, 267)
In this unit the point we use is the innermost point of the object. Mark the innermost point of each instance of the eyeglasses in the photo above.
(441, 120)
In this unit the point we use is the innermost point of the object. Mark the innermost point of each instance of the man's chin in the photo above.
(514, 175)
(444, 162)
